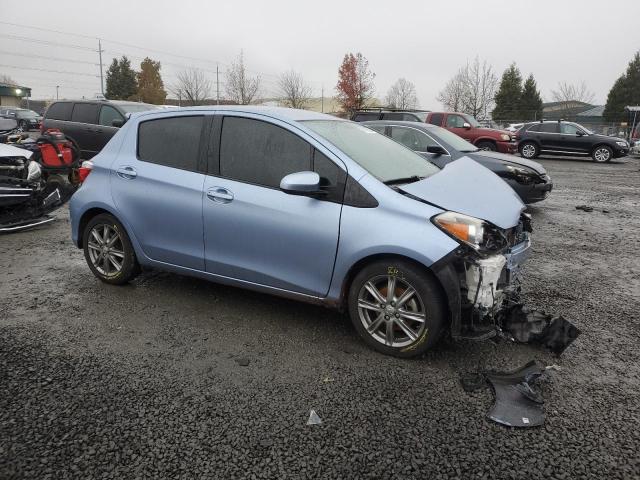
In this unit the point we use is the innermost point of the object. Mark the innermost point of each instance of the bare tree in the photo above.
(240, 87)
(471, 90)
(402, 94)
(295, 92)
(7, 80)
(192, 86)
(568, 92)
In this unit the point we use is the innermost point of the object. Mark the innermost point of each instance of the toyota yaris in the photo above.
(310, 207)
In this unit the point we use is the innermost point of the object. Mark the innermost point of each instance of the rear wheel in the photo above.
(489, 146)
(108, 250)
(396, 308)
(529, 150)
(602, 154)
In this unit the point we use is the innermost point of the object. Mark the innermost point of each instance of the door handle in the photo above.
(127, 172)
(219, 195)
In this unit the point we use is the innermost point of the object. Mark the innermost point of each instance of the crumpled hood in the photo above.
(10, 151)
(465, 186)
(535, 166)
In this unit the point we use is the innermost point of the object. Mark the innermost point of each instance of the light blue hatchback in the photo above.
(307, 206)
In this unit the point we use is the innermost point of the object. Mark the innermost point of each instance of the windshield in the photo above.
(382, 157)
(456, 142)
(472, 121)
(26, 114)
(137, 107)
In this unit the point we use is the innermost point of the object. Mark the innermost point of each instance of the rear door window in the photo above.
(551, 127)
(85, 113)
(107, 115)
(436, 119)
(261, 153)
(60, 111)
(172, 142)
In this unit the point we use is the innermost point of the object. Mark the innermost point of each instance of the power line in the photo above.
(47, 70)
(46, 57)
(46, 42)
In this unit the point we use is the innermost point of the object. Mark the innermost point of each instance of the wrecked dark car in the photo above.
(29, 190)
(9, 131)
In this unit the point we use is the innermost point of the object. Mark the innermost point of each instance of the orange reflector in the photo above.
(458, 230)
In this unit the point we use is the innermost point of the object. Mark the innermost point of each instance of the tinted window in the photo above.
(258, 152)
(377, 128)
(173, 142)
(363, 117)
(60, 111)
(412, 138)
(85, 113)
(107, 115)
(332, 177)
(549, 128)
(455, 121)
(436, 119)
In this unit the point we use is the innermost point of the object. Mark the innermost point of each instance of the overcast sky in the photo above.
(423, 41)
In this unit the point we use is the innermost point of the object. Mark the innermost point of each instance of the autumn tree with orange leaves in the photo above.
(355, 82)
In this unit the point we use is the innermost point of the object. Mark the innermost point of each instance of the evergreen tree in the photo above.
(625, 91)
(121, 80)
(530, 101)
(150, 85)
(508, 97)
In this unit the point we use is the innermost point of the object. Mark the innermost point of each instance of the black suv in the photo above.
(568, 138)
(369, 114)
(90, 123)
(27, 119)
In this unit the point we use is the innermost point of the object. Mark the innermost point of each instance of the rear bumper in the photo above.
(507, 147)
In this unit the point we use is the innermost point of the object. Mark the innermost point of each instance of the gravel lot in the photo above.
(151, 380)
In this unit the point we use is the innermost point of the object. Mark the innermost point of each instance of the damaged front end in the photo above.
(481, 278)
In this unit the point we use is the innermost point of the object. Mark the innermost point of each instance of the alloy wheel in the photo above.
(391, 311)
(528, 151)
(106, 249)
(602, 154)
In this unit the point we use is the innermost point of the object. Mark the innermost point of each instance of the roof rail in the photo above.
(389, 109)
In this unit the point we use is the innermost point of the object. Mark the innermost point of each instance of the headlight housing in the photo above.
(471, 231)
(34, 172)
(521, 174)
(505, 137)
(622, 144)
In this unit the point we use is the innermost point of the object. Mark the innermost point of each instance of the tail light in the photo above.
(85, 170)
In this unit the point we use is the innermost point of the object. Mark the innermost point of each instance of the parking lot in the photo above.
(174, 377)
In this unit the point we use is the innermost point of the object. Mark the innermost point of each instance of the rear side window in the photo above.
(436, 119)
(364, 117)
(549, 128)
(172, 142)
(85, 113)
(261, 153)
(107, 115)
(60, 111)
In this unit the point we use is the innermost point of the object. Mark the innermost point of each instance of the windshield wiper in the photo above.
(396, 181)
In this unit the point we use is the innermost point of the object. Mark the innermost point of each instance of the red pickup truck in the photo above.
(468, 128)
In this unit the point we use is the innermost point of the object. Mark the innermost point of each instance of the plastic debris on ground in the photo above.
(314, 419)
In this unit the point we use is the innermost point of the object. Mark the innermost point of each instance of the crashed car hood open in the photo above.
(9, 151)
(535, 166)
(465, 186)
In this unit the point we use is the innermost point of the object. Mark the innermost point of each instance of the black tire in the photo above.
(486, 145)
(529, 150)
(129, 265)
(427, 300)
(602, 154)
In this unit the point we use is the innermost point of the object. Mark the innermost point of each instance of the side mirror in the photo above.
(301, 183)
(579, 133)
(436, 149)
(117, 122)
(467, 125)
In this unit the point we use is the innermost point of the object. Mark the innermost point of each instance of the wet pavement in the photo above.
(174, 377)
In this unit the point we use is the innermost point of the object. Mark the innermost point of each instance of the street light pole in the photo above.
(101, 80)
(57, 87)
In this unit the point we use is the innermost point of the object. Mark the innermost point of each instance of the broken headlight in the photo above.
(471, 231)
(34, 172)
(521, 174)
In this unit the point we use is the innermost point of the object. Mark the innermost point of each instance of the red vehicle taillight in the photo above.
(85, 170)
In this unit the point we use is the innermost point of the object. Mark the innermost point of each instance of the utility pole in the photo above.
(217, 85)
(101, 80)
(322, 99)
(57, 87)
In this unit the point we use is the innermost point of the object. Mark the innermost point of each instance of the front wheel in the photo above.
(397, 308)
(602, 154)
(488, 146)
(108, 250)
(529, 150)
